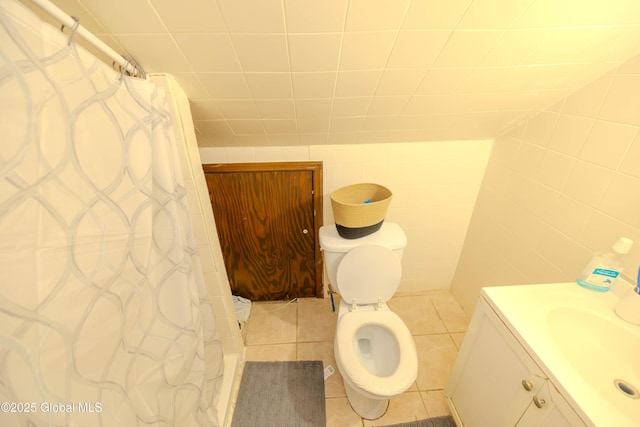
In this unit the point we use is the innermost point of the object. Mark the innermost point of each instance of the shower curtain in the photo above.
(104, 315)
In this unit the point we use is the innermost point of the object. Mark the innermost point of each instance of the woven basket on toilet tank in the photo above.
(359, 209)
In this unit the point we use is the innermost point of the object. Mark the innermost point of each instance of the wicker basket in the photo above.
(359, 209)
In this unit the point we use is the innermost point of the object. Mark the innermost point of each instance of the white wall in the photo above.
(434, 185)
(559, 187)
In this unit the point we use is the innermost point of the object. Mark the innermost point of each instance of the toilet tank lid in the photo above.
(390, 236)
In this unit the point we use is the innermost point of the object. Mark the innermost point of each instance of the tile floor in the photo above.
(304, 330)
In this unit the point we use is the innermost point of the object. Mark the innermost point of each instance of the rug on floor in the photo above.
(445, 421)
(281, 394)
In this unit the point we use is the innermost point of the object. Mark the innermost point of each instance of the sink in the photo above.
(605, 353)
(573, 334)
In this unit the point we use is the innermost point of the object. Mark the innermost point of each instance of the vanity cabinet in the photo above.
(495, 382)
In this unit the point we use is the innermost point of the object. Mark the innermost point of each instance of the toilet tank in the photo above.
(334, 247)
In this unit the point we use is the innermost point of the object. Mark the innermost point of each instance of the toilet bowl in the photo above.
(376, 357)
(374, 350)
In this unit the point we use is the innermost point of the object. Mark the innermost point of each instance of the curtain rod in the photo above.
(126, 64)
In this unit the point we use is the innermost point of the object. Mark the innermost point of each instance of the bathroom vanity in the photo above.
(546, 355)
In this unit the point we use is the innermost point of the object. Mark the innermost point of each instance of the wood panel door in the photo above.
(267, 217)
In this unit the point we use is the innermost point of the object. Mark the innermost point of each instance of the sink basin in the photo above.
(601, 351)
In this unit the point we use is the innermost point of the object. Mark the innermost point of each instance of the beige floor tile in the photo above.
(436, 403)
(402, 409)
(436, 355)
(305, 329)
(418, 313)
(316, 321)
(340, 414)
(272, 323)
(450, 312)
(271, 352)
(333, 385)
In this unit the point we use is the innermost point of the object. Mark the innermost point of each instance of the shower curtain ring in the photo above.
(123, 68)
(76, 24)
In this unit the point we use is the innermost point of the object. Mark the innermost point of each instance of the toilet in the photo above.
(374, 350)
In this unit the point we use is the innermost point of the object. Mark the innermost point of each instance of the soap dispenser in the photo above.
(603, 269)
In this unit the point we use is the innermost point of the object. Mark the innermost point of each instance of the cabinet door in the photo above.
(549, 409)
(489, 381)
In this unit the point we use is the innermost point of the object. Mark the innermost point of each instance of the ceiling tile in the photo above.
(485, 14)
(218, 128)
(465, 48)
(357, 83)
(202, 16)
(312, 16)
(246, 127)
(570, 13)
(361, 51)
(313, 124)
(225, 85)
(191, 85)
(123, 16)
(373, 15)
(261, 52)
(280, 126)
(144, 49)
(442, 80)
(417, 48)
(349, 107)
(310, 108)
(269, 85)
(247, 16)
(314, 52)
(208, 52)
(423, 14)
(314, 85)
(276, 108)
(387, 105)
(205, 109)
(237, 109)
(400, 82)
(264, 72)
(345, 124)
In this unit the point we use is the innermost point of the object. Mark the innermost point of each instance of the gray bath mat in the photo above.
(445, 421)
(281, 394)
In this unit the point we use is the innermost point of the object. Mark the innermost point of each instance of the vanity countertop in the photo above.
(579, 342)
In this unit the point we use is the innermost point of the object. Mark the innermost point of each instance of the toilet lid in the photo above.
(367, 274)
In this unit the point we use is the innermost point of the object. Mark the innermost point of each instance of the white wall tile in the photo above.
(622, 103)
(631, 163)
(587, 183)
(583, 195)
(607, 143)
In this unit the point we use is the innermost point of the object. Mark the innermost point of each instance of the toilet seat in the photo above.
(351, 367)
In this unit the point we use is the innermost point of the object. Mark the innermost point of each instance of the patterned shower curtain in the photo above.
(104, 315)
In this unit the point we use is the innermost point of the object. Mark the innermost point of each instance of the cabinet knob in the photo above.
(527, 385)
(538, 402)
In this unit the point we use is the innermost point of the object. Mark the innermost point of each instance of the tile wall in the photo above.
(557, 188)
(434, 185)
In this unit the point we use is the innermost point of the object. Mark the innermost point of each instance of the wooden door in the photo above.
(267, 217)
